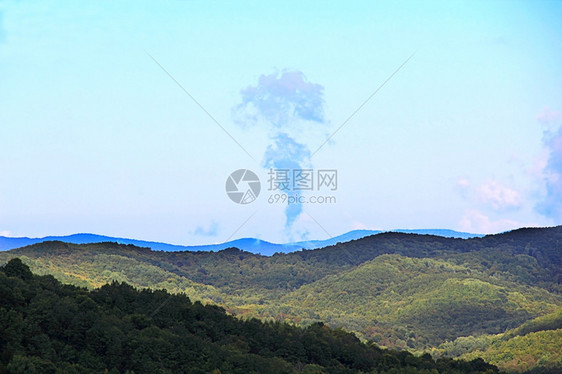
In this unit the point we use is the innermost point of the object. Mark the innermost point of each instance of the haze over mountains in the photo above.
(252, 245)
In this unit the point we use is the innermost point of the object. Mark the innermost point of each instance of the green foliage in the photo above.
(401, 291)
(552, 321)
(47, 327)
(522, 353)
(535, 346)
(415, 303)
(16, 268)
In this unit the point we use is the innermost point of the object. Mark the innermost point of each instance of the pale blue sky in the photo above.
(95, 137)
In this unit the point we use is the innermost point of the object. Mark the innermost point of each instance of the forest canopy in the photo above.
(48, 327)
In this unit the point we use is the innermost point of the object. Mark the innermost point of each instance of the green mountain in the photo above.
(400, 290)
(430, 300)
(535, 345)
(47, 327)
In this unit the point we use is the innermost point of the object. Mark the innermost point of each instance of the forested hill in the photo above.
(403, 291)
(47, 327)
(544, 244)
(532, 255)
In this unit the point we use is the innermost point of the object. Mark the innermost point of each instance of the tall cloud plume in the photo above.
(281, 99)
(287, 104)
(287, 154)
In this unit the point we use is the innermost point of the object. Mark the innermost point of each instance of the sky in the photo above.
(126, 119)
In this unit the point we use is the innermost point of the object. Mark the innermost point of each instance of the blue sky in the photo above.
(96, 137)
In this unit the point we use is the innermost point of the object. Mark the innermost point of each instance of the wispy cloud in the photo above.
(491, 194)
(283, 102)
(498, 196)
(287, 154)
(475, 221)
(551, 204)
(280, 99)
(6, 233)
(548, 115)
(489, 202)
(463, 183)
(463, 186)
(210, 230)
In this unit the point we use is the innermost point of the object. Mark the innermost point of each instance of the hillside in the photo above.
(47, 327)
(535, 345)
(401, 290)
(432, 300)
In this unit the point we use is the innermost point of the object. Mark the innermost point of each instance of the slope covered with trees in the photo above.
(47, 327)
(534, 346)
(402, 291)
(429, 300)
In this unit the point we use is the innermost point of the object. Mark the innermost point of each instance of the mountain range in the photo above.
(252, 245)
(57, 328)
(497, 297)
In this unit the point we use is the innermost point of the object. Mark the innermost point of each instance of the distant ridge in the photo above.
(358, 234)
(252, 245)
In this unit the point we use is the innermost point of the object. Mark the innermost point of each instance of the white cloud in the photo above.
(210, 230)
(356, 225)
(463, 183)
(6, 233)
(474, 221)
(548, 116)
(280, 99)
(551, 204)
(463, 186)
(538, 165)
(498, 196)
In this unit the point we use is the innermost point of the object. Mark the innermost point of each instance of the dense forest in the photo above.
(535, 346)
(402, 291)
(47, 327)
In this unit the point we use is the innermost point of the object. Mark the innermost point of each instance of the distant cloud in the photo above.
(281, 99)
(490, 194)
(547, 115)
(463, 186)
(463, 183)
(6, 233)
(474, 221)
(498, 196)
(538, 164)
(356, 225)
(551, 205)
(283, 102)
(211, 230)
(287, 154)
(488, 199)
